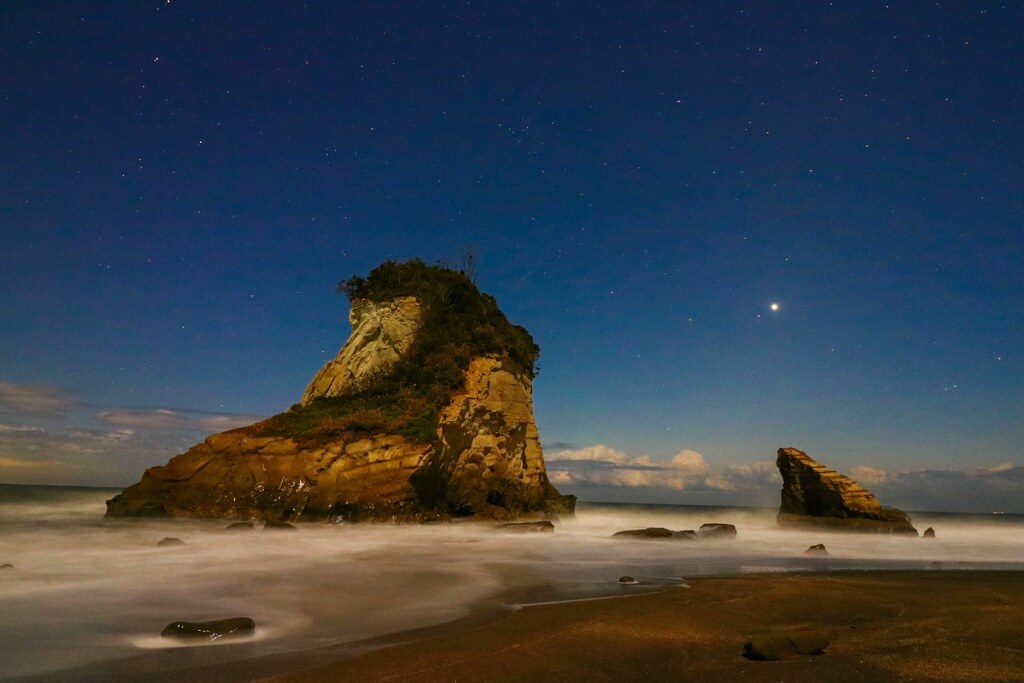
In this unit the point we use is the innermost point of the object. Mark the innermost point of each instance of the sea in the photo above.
(85, 597)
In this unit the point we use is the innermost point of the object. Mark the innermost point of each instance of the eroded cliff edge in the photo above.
(817, 497)
(426, 413)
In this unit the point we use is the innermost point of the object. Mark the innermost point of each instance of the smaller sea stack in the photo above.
(813, 496)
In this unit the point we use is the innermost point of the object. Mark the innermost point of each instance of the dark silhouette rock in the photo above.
(817, 497)
(817, 549)
(240, 526)
(272, 525)
(542, 526)
(627, 580)
(235, 627)
(685, 535)
(170, 541)
(649, 532)
(717, 530)
(929, 533)
(775, 646)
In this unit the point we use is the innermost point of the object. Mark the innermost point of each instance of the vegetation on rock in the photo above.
(459, 323)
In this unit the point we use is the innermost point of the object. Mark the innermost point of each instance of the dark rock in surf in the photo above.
(627, 580)
(170, 541)
(717, 530)
(235, 627)
(649, 532)
(6, 565)
(543, 526)
(775, 646)
(929, 533)
(271, 525)
(817, 549)
(240, 526)
(685, 535)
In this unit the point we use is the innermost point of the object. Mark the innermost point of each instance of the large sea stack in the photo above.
(426, 413)
(815, 496)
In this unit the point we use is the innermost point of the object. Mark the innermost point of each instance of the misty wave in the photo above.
(86, 591)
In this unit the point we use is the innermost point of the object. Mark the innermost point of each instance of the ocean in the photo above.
(86, 597)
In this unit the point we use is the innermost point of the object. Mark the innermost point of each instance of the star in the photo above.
(774, 306)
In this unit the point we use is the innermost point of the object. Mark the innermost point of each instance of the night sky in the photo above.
(183, 183)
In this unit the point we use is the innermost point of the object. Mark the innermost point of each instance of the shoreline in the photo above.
(943, 625)
(889, 625)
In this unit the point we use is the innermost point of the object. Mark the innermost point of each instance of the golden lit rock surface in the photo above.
(816, 496)
(381, 333)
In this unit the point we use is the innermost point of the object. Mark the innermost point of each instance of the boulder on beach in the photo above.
(775, 646)
(816, 549)
(235, 627)
(814, 496)
(426, 412)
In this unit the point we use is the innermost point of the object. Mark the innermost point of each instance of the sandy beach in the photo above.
(882, 626)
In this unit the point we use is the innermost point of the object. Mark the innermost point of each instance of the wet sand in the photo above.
(882, 626)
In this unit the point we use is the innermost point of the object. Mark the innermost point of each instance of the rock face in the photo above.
(484, 458)
(381, 334)
(815, 496)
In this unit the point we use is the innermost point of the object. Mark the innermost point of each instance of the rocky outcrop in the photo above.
(483, 459)
(815, 496)
(381, 333)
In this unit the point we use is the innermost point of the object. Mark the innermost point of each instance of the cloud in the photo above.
(689, 461)
(169, 419)
(26, 466)
(81, 445)
(36, 399)
(977, 489)
(755, 476)
(596, 453)
(863, 474)
(603, 466)
(20, 428)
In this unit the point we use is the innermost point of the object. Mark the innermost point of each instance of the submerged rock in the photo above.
(717, 530)
(775, 646)
(272, 525)
(815, 496)
(649, 532)
(240, 526)
(627, 580)
(6, 565)
(170, 540)
(426, 412)
(235, 627)
(543, 526)
(816, 549)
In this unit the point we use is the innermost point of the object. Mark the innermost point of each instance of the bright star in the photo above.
(774, 306)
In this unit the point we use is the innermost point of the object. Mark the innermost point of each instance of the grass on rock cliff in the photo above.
(459, 323)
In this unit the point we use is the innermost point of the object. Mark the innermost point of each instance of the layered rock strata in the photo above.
(818, 497)
(486, 460)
